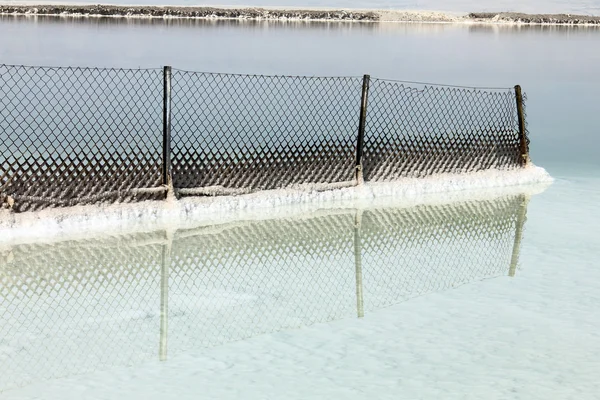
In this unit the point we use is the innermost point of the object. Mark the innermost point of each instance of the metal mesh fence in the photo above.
(77, 306)
(418, 130)
(258, 132)
(79, 135)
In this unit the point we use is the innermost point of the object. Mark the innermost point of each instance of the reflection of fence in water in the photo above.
(78, 306)
(268, 275)
(65, 307)
(435, 247)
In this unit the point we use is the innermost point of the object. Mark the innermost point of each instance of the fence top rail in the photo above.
(471, 87)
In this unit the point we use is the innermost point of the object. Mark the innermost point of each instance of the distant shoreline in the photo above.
(298, 14)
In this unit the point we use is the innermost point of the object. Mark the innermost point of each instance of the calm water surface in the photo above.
(268, 309)
(556, 66)
(83, 305)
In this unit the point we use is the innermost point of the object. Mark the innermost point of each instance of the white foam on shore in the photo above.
(51, 224)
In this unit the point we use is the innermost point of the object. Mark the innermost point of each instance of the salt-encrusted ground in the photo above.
(290, 13)
(15, 227)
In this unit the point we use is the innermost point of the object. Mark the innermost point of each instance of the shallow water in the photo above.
(73, 307)
(452, 305)
(267, 309)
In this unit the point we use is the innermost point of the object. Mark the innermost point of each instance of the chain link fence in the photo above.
(77, 306)
(84, 135)
(258, 132)
(418, 130)
(79, 135)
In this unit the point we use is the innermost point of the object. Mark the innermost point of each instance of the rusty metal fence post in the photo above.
(361, 129)
(166, 161)
(523, 148)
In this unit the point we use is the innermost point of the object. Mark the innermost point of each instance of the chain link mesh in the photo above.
(79, 135)
(77, 306)
(84, 135)
(527, 139)
(262, 132)
(418, 130)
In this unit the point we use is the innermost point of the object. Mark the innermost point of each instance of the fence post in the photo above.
(360, 308)
(166, 161)
(521, 218)
(361, 129)
(523, 148)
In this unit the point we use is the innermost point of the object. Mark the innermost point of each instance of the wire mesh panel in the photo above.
(259, 132)
(83, 135)
(79, 135)
(419, 130)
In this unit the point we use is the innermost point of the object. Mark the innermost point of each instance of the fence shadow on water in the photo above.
(86, 135)
(83, 305)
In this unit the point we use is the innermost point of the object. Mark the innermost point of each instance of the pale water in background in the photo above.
(556, 66)
(536, 335)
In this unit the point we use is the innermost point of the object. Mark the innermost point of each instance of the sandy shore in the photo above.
(307, 14)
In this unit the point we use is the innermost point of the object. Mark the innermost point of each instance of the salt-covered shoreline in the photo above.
(291, 14)
(199, 211)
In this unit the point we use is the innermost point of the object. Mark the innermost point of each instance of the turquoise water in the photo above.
(132, 298)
